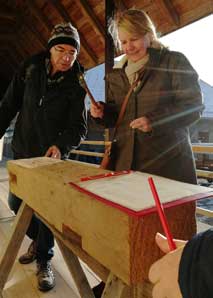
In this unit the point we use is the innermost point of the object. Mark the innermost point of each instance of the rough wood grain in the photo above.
(120, 242)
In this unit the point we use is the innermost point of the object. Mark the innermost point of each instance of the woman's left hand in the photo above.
(141, 123)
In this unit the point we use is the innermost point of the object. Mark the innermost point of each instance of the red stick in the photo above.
(162, 215)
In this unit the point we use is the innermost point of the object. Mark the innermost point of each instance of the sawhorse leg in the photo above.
(76, 271)
(13, 244)
(116, 288)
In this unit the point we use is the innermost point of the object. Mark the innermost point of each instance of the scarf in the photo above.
(133, 68)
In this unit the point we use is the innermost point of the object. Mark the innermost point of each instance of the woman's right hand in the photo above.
(97, 111)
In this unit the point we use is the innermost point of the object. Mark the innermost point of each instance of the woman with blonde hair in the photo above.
(153, 135)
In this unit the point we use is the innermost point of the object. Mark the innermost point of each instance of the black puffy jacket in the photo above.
(48, 114)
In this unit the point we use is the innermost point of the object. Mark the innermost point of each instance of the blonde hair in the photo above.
(136, 22)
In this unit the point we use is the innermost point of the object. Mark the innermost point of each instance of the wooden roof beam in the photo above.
(93, 19)
(38, 13)
(170, 11)
(36, 33)
(7, 13)
(61, 10)
(7, 36)
(120, 5)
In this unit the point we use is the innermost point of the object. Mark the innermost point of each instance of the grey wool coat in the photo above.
(170, 96)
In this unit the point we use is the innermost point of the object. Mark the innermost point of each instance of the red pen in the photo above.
(105, 175)
(162, 215)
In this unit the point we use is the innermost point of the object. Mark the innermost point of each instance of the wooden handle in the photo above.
(84, 85)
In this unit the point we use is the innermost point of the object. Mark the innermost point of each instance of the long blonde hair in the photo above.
(137, 22)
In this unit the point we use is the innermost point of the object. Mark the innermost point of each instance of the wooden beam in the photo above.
(14, 242)
(205, 212)
(38, 13)
(204, 174)
(109, 46)
(202, 149)
(120, 5)
(38, 36)
(7, 13)
(170, 11)
(7, 36)
(93, 19)
(62, 11)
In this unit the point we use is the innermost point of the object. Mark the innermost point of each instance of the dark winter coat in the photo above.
(169, 95)
(196, 267)
(49, 114)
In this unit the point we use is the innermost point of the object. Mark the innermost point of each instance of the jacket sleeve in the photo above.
(196, 267)
(186, 105)
(12, 101)
(76, 129)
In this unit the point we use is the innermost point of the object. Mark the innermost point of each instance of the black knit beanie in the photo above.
(64, 33)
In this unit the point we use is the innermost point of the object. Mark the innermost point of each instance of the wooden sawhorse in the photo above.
(116, 245)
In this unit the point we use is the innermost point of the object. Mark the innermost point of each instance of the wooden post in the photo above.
(14, 242)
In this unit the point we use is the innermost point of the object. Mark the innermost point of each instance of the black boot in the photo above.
(45, 275)
(30, 255)
(98, 290)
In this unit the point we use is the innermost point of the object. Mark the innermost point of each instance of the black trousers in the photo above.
(37, 231)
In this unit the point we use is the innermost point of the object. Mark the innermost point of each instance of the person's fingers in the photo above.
(141, 123)
(154, 273)
(48, 153)
(158, 291)
(53, 152)
(162, 243)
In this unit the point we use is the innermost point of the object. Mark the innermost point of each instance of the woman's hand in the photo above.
(97, 111)
(53, 152)
(164, 272)
(141, 123)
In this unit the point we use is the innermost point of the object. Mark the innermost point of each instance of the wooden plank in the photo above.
(115, 239)
(204, 212)
(114, 287)
(87, 153)
(204, 174)
(202, 149)
(12, 246)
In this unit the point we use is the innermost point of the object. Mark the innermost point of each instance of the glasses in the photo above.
(63, 52)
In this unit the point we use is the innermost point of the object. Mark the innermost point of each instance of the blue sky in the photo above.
(196, 42)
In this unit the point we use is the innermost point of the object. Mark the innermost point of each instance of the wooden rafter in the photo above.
(6, 36)
(93, 19)
(33, 30)
(120, 5)
(38, 13)
(6, 13)
(61, 10)
(170, 11)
